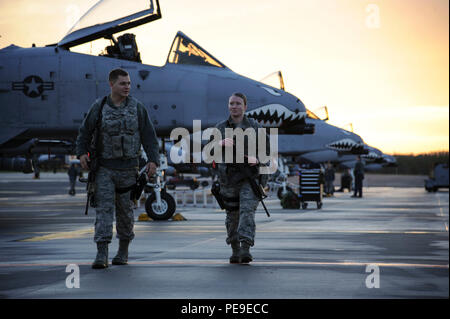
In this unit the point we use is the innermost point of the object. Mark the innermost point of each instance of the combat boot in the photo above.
(122, 254)
(246, 257)
(101, 261)
(235, 257)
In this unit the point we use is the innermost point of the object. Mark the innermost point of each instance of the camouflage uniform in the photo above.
(123, 129)
(240, 223)
(106, 180)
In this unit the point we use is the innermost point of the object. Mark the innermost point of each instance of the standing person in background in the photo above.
(358, 172)
(329, 180)
(73, 172)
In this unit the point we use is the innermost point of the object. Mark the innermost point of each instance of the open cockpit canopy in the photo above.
(107, 17)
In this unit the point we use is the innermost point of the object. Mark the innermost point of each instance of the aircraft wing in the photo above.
(107, 17)
(8, 133)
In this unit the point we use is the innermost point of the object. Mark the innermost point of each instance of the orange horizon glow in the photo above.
(382, 65)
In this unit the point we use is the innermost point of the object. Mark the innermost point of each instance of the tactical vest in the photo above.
(120, 131)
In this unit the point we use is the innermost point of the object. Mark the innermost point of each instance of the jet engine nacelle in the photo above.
(16, 164)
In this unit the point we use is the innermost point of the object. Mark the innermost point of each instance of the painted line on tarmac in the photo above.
(207, 262)
(293, 230)
(285, 263)
(83, 232)
(60, 235)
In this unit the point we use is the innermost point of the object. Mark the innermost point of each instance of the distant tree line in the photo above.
(421, 164)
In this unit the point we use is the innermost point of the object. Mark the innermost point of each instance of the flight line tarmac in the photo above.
(393, 243)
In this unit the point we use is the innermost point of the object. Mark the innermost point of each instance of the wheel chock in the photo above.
(178, 217)
(144, 218)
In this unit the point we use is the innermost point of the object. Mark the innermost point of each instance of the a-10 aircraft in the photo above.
(46, 91)
(327, 142)
(331, 144)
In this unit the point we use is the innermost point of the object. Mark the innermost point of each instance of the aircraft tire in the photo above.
(165, 212)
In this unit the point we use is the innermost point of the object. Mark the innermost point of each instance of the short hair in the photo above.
(114, 74)
(241, 95)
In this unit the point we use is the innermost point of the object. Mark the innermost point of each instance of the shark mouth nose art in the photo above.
(345, 144)
(371, 156)
(275, 115)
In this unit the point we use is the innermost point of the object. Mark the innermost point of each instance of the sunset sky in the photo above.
(382, 65)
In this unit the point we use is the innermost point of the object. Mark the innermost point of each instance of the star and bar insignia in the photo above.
(33, 86)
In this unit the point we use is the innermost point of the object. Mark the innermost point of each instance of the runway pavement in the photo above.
(393, 243)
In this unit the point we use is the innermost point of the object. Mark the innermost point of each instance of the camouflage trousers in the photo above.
(240, 223)
(107, 200)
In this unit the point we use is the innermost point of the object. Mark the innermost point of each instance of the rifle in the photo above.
(256, 187)
(249, 174)
(246, 169)
(90, 188)
(93, 157)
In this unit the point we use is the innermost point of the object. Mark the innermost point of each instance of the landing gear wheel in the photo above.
(160, 213)
(304, 205)
(319, 205)
(280, 192)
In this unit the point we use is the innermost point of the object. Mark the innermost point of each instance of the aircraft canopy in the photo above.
(186, 51)
(311, 115)
(107, 17)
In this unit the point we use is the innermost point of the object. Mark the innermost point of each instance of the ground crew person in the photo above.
(234, 188)
(358, 172)
(346, 181)
(329, 180)
(125, 125)
(73, 172)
